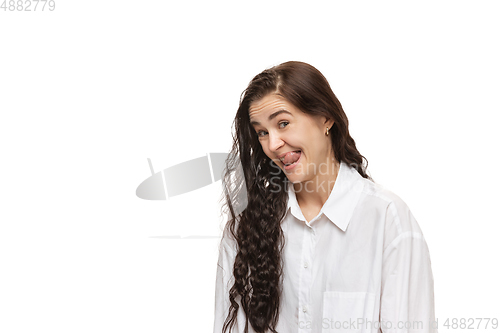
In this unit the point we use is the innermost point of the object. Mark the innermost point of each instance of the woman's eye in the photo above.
(262, 133)
(284, 122)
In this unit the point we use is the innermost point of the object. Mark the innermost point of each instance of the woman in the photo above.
(319, 246)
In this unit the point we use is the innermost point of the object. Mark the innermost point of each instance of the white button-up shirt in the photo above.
(361, 265)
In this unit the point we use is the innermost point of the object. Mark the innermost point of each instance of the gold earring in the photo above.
(327, 131)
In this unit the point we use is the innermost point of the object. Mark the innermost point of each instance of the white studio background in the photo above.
(90, 90)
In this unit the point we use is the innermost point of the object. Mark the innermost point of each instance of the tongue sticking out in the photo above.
(291, 157)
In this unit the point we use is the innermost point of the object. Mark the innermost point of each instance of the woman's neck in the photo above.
(315, 192)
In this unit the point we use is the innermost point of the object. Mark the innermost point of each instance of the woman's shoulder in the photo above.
(386, 196)
(376, 193)
(398, 215)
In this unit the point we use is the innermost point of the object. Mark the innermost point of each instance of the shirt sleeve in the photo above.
(224, 282)
(407, 296)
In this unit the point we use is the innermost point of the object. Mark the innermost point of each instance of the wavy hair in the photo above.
(258, 266)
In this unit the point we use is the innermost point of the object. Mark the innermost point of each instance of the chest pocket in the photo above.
(348, 312)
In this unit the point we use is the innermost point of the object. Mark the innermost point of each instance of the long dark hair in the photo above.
(258, 266)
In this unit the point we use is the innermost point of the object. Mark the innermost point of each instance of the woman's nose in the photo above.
(275, 142)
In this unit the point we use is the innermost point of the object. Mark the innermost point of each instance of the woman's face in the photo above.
(283, 130)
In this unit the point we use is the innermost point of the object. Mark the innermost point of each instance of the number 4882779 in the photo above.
(471, 323)
(28, 5)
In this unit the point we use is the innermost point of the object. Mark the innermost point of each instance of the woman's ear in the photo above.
(328, 122)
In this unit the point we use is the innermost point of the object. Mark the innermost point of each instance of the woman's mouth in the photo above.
(291, 159)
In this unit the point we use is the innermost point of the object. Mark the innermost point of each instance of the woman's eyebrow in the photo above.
(271, 117)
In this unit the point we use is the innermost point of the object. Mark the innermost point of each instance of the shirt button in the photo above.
(304, 309)
(306, 264)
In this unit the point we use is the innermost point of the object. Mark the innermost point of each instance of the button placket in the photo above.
(306, 275)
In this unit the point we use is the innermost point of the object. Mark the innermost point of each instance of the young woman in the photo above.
(319, 246)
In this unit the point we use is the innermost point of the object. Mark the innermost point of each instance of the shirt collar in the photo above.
(343, 198)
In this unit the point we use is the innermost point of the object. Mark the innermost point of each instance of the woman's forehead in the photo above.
(267, 104)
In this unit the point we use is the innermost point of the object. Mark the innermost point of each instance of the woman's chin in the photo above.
(294, 178)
